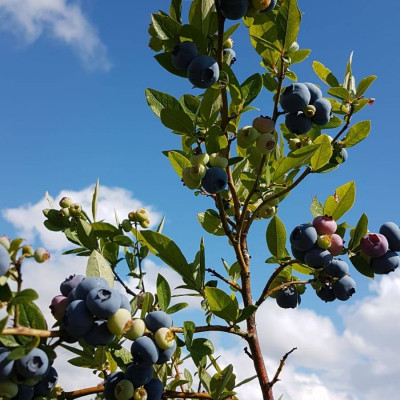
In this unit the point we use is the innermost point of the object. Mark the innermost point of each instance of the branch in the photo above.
(279, 370)
(213, 328)
(170, 394)
(125, 286)
(82, 392)
(349, 115)
(216, 274)
(24, 331)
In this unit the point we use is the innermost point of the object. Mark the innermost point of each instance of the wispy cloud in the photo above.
(62, 20)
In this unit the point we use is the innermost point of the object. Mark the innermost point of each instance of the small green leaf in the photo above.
(339, 203)
(299, 55)
(203, 16)
(340, 93)
(31, 316)
(177, 120)
(176, 307)
(95, 200)
(24, 296)
(86, 235)
(175, 10)
(325, 74)
(210, 106)
(202, 347)
(317, 208)
(188, 332)
(178, 161)
(163, 292)
(221, 304)
(362, 266)
(364, 84)
(104, 229)
(288, 23)
(159, 100)
(165, 60)
(276, 237)
(211, 222)
(359, 232)
(166, 27)
(246, 313)
(357, 133)
(323, 153)
(250, 88)
(98, 266)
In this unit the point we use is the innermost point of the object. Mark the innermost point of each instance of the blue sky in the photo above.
(72, 109)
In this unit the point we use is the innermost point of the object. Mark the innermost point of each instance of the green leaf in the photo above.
(362, 266)
(303, 268)
(270, 82)
(339, 203)
(340, 93)
(364, 84)
(86, 235)
(264, 44)
(98, 266)
(246, 313)
(250, 88)
(123, 240)
(211, 222)
(166, 249)
(95, 200)
(288, 23)
(163, 292)
(323, 153)
(246, 381)
(24, 296)
(299, 55)
(334, 122)
(221, 304)
(203, 17)
(166, 27)
(83, 362)
(202, 347)
(165, 60)
(325, 74)
(175, 10)
(359, 232)
(148, 299)
(176, 307)
(31, 316)
(210, 106)
(220, 381)
(177, 120)
(228, 33)
(293, 160)
(104, 229)
(357, 133)
(178, 161)
(276, 237)
(188, 332)
(317, 208)
(159, 100)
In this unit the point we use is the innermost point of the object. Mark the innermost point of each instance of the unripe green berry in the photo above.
(197, 172)
(140, 394)
(137, 329)
(120, 322)
(294, 144)
(65, 212)
(218, 161)
(264, 124)
(324, 242)
(267, 212)
(75, 209)
(142, 215)
(309, 111)
(155, 44)
(294, 47)
(124, 390)
(228, 44)
(247, 136)
(199, 159)
(27, 251)
(65, 202)
(145, 224)
(126, 225)
(132, 216)
(188, 180)
(164, 338)
(41, 255)
(266, 143)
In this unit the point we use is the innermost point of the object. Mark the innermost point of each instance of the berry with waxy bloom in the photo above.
(392, 233)
(264, 124)
(374, 245)
(164, 338)
(324, 225)
(337, 245)
(41, 255)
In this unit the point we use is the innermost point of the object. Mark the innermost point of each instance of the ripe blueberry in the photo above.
(303, 237)
(144, 351)
(70, 283)
(34, 364)
(102, 302)
(99, 334)
(203, 72)
(344, 288)
(297, 122)
(88, 284)
(392, 233)
(315, 92)
(386, 263)
(233, 9)
(214, 181)
(139, 375)
(183, 54)
(78, 319)
(318, 258)
(288, 298)
(337, 268)
(323, 110)
(295, 97)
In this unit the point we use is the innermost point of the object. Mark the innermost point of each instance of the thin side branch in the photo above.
(217, 275)
(348, 120)
(82, 392)
(124, 285)
(23, 331)
(281, 364)
(170, 394)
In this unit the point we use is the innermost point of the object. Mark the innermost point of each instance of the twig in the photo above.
(170, 394)
(279, 370)
(246, 350)
(213, 328)
(216, 274)
(24, 331)
(124, 285)
(178, 377)
(82, 392)
(349, 115)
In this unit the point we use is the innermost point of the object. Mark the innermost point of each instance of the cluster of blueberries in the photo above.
(89, 309)
(236, 9)
(30, 377)
(316, 245)
(206, 171)
(305, 106)
(382, 248)
(137, 381)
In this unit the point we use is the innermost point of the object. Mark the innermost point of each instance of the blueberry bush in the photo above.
(245, 172)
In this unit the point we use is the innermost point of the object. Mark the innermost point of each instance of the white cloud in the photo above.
(62, 20)
(28, 219)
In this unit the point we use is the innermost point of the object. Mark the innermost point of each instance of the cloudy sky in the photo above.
(72, 109)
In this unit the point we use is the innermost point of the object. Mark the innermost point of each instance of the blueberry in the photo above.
(78, 319)
(326, 294)
(344, 154)
(215, 180)
(124, 390)
(183, 54)
(125, 302)
(374, 245)
(154, 389)
(110, 384)
(298, 123)
(386, 263)
(103, 303)
(165, 355)
(5, 260)
(303, 237)
(324, 225)
(392, 233)
(58, 306)
(203, 72)
(233, 9)
(6, 365)
(144, 351)
(34, 364)
(337, 268)
(139, 375)
(25, 392)
(344, 288)
(318, 258)
(297, 254)
(99, 334)
(158, 319)
(72, 295)
(270, 7)
(295, 97)
(230, 56)
(70, 283)
(120, 322)
(336, 246)
(88, 284)
(288, 298)
(47, 384)
(315, 92)
(323, 110)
